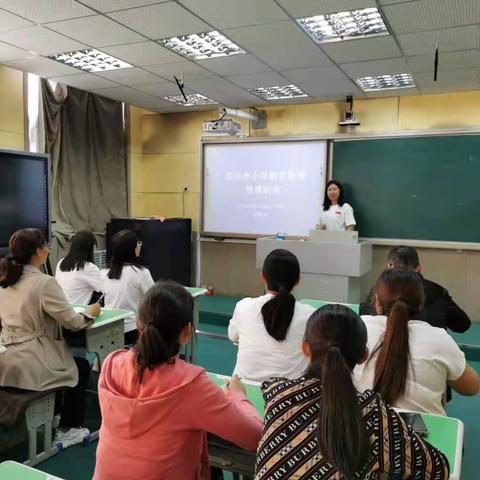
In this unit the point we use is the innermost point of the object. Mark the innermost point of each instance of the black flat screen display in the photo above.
(24, 193)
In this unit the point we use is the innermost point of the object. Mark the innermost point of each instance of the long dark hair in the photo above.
(123, 246)
(163, 313)
(400, 295)
(281, 271)
(326, 201)
(81, 251)
(23, 245)
(337, 338)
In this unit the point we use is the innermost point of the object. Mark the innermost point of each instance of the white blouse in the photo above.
(435, 359)
(337, 218)
(79, 285)
(260, 356)
(126, 292)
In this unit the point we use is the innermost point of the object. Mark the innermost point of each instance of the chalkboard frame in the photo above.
(439, 244)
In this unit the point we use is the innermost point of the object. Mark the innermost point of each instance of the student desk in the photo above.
(320, 303)
(196, 293)
(106, 333)
(10, 470)
(445, 433)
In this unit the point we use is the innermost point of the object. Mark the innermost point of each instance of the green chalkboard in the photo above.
(422, 188)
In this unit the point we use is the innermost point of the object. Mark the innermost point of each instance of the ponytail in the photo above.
(278, 313)
(391, 368)
(10, 272)
(152, 350)
(281, 272)
(23, 245)
(342, 435)
(337, 339)
(399, 293)
(165, 310)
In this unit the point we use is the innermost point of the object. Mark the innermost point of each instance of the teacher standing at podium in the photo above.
(336, 214)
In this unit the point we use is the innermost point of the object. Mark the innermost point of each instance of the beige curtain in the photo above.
(85, 137)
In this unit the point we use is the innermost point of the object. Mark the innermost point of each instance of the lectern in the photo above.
(333, 265)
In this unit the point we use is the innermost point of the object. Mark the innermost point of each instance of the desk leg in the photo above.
(104, 340)
(192, 344)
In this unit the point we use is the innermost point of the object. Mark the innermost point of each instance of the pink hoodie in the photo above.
(158, 429)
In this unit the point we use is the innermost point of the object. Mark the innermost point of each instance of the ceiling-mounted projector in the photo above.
(224, 127)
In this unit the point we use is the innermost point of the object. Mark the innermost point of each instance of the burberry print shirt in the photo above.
(289, 450)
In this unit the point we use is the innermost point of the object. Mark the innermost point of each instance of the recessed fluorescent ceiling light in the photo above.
(347, 25)
(202, 45)
(193, 99)
(386, 82)
(90, 60)
(278, 92)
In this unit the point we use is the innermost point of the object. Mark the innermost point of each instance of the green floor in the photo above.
(77, 463)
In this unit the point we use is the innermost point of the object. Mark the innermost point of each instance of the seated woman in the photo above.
(157, 409)
(410, 361)
(76, 273)
(330, 430)
(33, 308)
(126, 281)
(269, 329)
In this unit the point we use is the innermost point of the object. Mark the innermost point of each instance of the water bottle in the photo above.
(280, 236)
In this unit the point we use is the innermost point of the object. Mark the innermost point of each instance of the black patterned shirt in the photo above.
(289, 449)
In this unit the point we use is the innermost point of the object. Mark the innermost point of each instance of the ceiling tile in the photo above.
(42, 11)
(129, 76)
(269, 36)
(9, 21)
(159, 89)
(7, 52)
(143, 53)
(431, 15)
(113, 5)
(161, 20)
(363, 49)
(449, 39)
(40, 40)
(43, 67)
(447, 60)
(318, 82)
(126, 94)
(377, 67)
(224, 92)
(189, 70)
(97, 31)
(235, 13)
(233, 65)
(288, 57)
(85, 81)
(467, 79)
(307, 8)
(266, 79)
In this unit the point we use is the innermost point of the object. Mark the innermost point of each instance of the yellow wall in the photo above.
(11, 109)
(171, 159)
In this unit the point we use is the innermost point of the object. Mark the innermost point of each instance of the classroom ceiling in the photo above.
(278, 51)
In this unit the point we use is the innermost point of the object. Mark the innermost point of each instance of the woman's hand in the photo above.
(94, 310)
(236, 385)
(321, 226)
